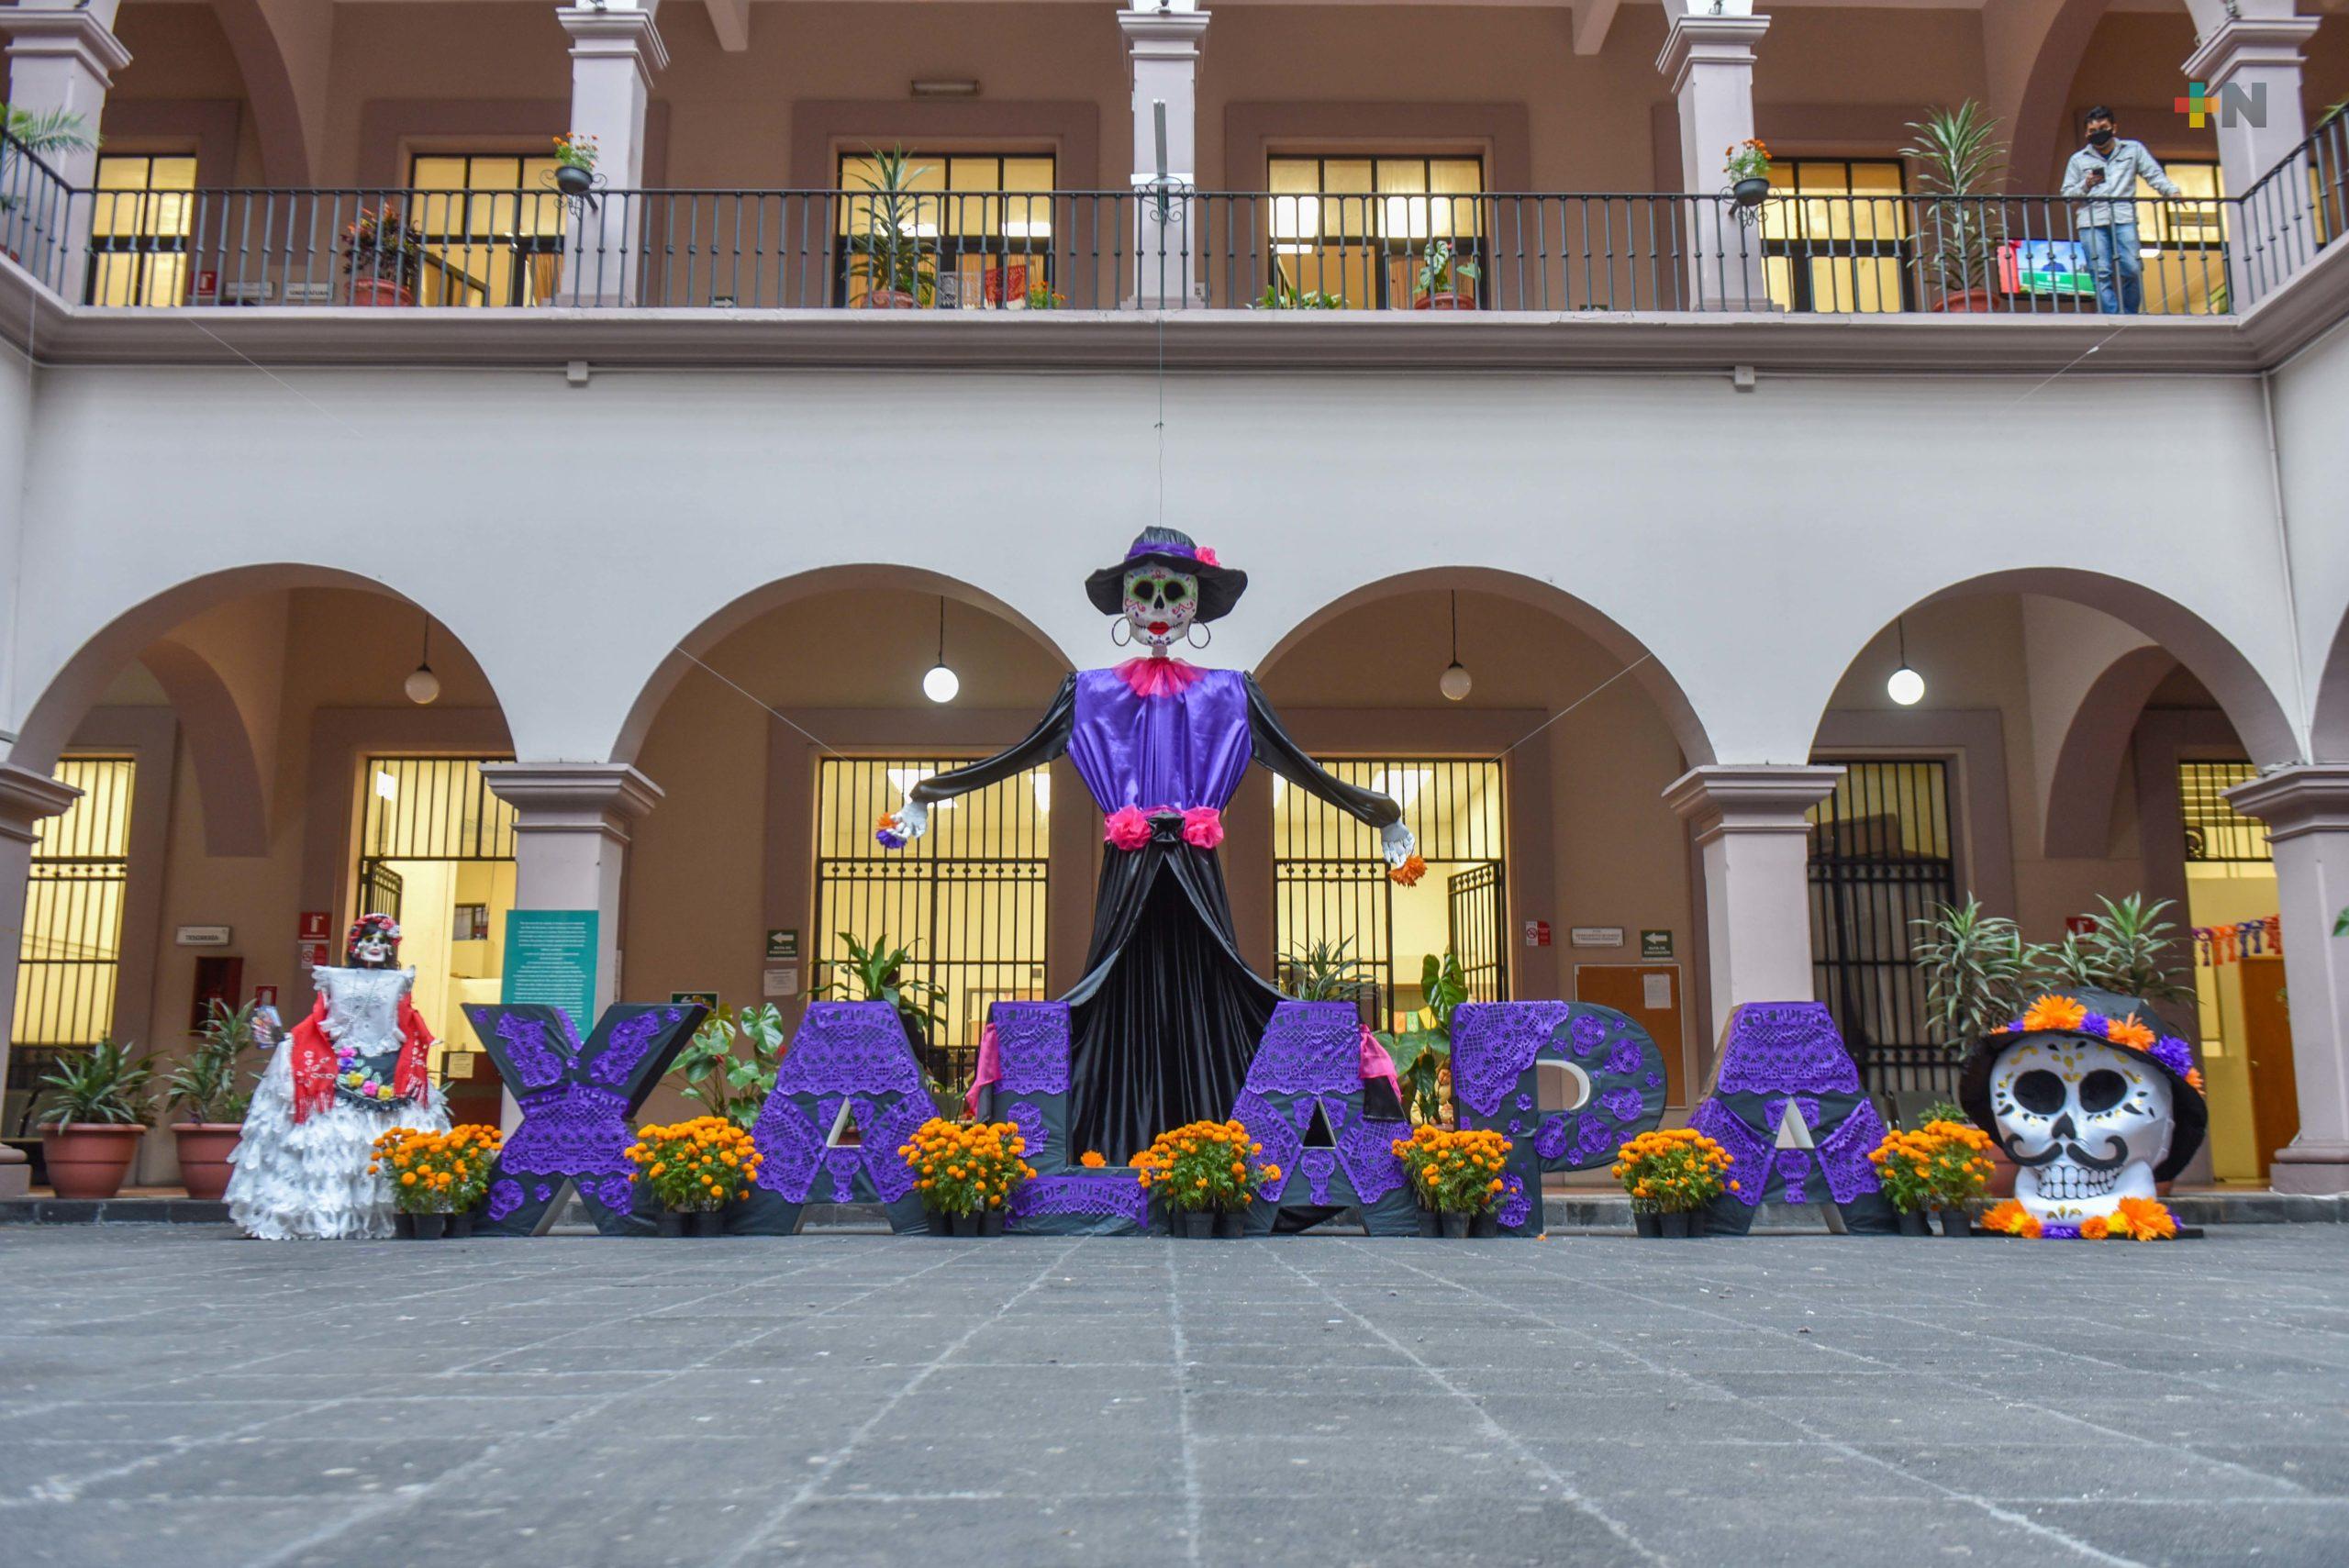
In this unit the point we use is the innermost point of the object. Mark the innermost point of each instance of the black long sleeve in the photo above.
(1046, 741)
(1276, 751)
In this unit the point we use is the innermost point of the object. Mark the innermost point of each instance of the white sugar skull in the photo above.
(375, 943)
(2087, 1122)
(1160, 603)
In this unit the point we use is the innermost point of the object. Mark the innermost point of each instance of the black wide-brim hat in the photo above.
(1219, 585)
(2102, 1010)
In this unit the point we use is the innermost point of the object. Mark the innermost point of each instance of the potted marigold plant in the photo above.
(1208, 1173)
(1457, 1178)
(1902, 1170)
(438, 1178)
(1748, 168)
(383, 254)
(1957, 1172)
(1672, 1174)
(966, 1172)
(205, 1088)
(574, 164)
(696, 1168)
(95, 1110)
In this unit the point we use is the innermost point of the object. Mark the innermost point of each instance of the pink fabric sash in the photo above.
(1377, 1063)
(990, 1070)
(1158, 677)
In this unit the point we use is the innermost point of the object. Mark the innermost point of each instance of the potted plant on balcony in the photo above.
(1456, 1177)
(888, 253)
(1748, 168)
(1960, 160)
(206, 1088)
(59, 130)
(966, 1172)
(1444, 281)
(382, 253)
(574, 164)
(96, 1108)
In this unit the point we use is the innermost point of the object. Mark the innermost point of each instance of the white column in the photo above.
(1755, 844)
(2306, 808)
(2258, 56)
(60, 58)
(1708, 60)
(615, 53)
(26, 797)
(1162, 48)
(570, 823)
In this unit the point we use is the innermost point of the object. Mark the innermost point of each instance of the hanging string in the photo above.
(820, 741)
(1572, 705)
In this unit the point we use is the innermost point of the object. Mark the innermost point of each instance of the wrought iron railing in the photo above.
(2295, 210)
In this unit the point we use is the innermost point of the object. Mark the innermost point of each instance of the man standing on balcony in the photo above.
(2107, 170)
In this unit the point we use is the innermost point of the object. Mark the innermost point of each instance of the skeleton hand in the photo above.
(1397, 842)
(913, 820)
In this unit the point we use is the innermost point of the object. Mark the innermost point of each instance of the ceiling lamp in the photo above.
(1905, 686)
(422, 685)
(940, 684)
(1455, 680)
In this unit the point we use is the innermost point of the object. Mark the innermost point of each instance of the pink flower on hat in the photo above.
(1206, 557)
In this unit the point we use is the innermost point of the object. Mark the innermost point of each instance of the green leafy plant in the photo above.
(2128, 948)
(575, 149)
(1442, 269)
(381, 244)
(1324, 972)
(875, 973)
(2341, 923)
(1976, 969)
(1747, 159)
(887, 248)
(59, 130)
(1423, 1053)
(1281, 296)
(104, 1085)
(1960, 160)
(723, 1081)
(1939, 1110)
(205, 1085)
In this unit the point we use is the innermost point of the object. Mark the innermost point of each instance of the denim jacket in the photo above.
(2126, 163)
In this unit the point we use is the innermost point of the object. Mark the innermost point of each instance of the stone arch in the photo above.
(231, 776)
(769, 596)
(282, 50)
(2078, 811)
(1687, 728)
(2329, 724)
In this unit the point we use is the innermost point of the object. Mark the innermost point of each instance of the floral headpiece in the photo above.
(2052, 1014)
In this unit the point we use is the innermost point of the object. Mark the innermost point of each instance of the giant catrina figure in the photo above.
(1168, 1013)
(353, 1070)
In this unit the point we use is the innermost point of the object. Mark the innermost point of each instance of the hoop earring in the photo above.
(1197, 625)
(1121, 624)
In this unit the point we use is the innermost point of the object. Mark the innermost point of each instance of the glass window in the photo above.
(976, 234)
(70, 946)
(1834, 234)
(139, 216)
(492, 229)
(1358, 227)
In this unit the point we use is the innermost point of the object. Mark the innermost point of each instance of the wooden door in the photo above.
(1629, 988)
(2268, 1045)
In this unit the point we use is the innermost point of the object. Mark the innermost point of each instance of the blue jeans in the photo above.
(2119, 273)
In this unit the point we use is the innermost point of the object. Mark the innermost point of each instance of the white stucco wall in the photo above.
(2311, 397)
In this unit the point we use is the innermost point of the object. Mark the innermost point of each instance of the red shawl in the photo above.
(314, 1070)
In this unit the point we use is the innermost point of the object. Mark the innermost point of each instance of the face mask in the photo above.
(2101, 138)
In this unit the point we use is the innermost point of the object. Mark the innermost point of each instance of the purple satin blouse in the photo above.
(1177, 748)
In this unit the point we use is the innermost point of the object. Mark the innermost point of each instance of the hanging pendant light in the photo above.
(422, 685)
(1905, 686)
(1455, 680)
(940, 684)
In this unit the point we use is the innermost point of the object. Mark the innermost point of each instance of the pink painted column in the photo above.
(1708, 60)
(2306, 807)
(63, 57)
(1755, 843)
(26, 797)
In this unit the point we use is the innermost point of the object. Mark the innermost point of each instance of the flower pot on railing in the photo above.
(379, 293)
(888, 299)
(1459, 297)
(1750, 193)
(88, 1159)
(1967, 300)
(574, 179)
(204, 1148)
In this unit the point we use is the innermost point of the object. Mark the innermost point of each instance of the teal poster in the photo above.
(550, 957)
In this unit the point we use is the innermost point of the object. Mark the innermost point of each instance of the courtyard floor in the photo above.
(171, 1395)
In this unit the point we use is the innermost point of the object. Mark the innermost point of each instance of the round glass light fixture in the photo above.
(422, 685)
(940, 683)
(1905, 686)
(1456, 681)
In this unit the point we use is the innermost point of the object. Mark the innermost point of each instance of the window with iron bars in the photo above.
(1358, 229)
(69, 952)
(1330, 884)
(975, 233)
(426, 808)
(492, 226)
(1881, 859)
(2216, 833)
(970, 898)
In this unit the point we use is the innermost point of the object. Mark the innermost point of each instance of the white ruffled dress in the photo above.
(309, 1180)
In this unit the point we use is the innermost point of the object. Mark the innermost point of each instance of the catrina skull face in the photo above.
(374, 944)
(1160, 603)
(2085, 1122)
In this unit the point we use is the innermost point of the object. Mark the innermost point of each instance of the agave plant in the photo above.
(1324, 972)
(1423, 1052)
(1976, 969)
(2128, 948)
(887, 242)
(1960, 161)
(104, 1085)
(728, 1085)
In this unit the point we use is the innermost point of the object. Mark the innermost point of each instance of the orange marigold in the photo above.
(2054, 1013)
(2130, 1033)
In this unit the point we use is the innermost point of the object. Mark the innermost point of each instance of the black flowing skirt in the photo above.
(1168, 1015)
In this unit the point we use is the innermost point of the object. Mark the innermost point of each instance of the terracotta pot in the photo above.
(379, 293)
(1458, 299)
(205, 1148)
(1971, 300)
(88, 1159)
(888, 299)
(2002, 1175)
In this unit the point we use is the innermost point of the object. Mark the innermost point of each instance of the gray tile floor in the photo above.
(174, 1396)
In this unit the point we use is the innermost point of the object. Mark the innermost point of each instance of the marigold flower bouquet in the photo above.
(436, 1176)
(966, 1171)
(697, 1167)
(1943, 1164)
(1206, 1173)
(1456, 1175)
(1670, 1174)
(2135, 1220)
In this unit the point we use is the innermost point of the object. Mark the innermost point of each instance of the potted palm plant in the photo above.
(1444, 281)
(1960, 160)
(205, 1088)
(59, 130)
(887, 248)
(95, 1108)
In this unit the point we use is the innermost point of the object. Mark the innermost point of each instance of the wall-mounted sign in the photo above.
(705, 998)
(779, 985)
(318, 926)
(201, 936)
(783, 945)
(1656, 992)
(1537, 933)
(1655, 944)
(550, 959)
(1596, 936)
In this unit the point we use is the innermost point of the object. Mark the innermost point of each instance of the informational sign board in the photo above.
(1537, 933)
(783, 946)
(551, 960)
(779, 985)
(705, 998)
(1655, 945)
(1596, 936)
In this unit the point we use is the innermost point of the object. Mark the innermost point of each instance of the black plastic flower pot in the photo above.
(991, 1222)
(669, 1223)
(403, 1226)
(1644, 1223)
(1915, 1222)
(461, 1226)
(1956, 1222)
(430, 1227)
(707, 1223)
(1199, 1225)
(1231, 1224)
(574, 180)
(1484, 1226)
(1673, 1226)
(940, 1222)
(966, 1225)
(1431, 1223)
(1455, 1226)
(1750, 193)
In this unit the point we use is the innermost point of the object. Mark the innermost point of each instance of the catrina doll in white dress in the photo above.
(353, 1070)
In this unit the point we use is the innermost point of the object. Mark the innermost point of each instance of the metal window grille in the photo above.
(2215, 831)
(970, 898)
(492, 226)
(1880, 859)
(70, 949)
(981, 229)
(1357, 228)
(1835, 237)
(426, 808)
(1330, 884)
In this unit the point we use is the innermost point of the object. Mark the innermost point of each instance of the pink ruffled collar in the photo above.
(1159, 677)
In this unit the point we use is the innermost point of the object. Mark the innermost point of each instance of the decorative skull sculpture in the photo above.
(374, 943)
(1160, 603)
